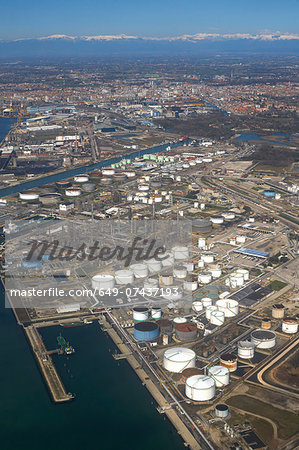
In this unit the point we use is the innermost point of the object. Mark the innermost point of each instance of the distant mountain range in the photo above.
(63, 45)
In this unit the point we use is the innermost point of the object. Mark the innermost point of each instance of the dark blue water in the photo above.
(244, 137)
(5, 124)
(111, 411)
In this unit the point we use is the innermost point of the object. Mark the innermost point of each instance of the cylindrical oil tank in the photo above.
(229, 360)
(63, 184)
(81, 178)
(190, 284)
(289, 325)
(209, 309)
(140, 313)
(120, 177)
(266, 324)
(177, 359)
(208, 257)
(215, 270)
(89, 187)
(200, 388)
(143, 187)
(153, 265)
(73, 192)
(186, 332)
(189, 265)
(166, 279)
(50, 198)
(228, 215)
(217, 220)
(165, 326)
(146, 331)
(190, 372)
(217, 318)
(124, 276)
(140, 270)
(106, 181)
(204, 277)
(102, 281)
(29, 195)
(108, 172)
(241, 239)
(150, 284)
(221, 411)
(197, 306)
(278, 311)
(220, 375)
(156, 312)
(239, 279)
(180, 253)
(244, 272)
(206, 301)
(263, 338)
(201, 226)
(180, 272)
(177, 320)
(200, 263)
(245, 349)
(229, 306)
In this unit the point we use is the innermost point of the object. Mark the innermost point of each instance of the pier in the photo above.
(54, 383)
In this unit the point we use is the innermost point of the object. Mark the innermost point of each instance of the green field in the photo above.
(276, 285)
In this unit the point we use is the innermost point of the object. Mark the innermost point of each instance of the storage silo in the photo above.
(278, 311)
(177, 359)
(217, 318)
(245, 349)
(263, 338)
(124, 276)
(102, 281)
(140, 270)
(229, 306)
(180, 272)
(221, 411)
(229, 360)
(220, 375)
(209, 310)
(200, 388)
(140, 313)
(197, 306)
(146, 331)
(156, 312)
(166, 279)
(153, 265)
(289, 325)
(186, 332)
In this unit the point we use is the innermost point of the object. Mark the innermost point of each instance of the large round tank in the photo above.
(289, 325)
(209, 310)
(206, 301)
(106, 181)
(81, 178)
(204, 277)
(140, 270)
(278, 311)
(190, 284)
(120, 177)
(215, 270)
(140, 313)
(189, 266)
(102, 281)
(241, 239)
(200, 388)
(180, 272)
(220, 375)
(165, 326)
(156, 312)
(217, 220)
(229, 360)
(143, 187)
(266, 323)
(146, 331)
(263, 338)
(228, 215)
(244, 273)
(186, 332)
(180, 253)
(201, 226)
(73, 192)
(108, 172)
(51, 198)
(63, 184)
(124, 276)
(208, 257)
(29, 195)
(150, 284)
(221, 411)
(153, 265)
(245, 349)
(229, 306)
(177, 320)
(217, 318)
(197, 306)
(177, 359)
(89, 187)
(166, 279)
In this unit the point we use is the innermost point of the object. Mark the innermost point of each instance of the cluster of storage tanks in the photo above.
(289, 325)
(216, 314)
(237, 279)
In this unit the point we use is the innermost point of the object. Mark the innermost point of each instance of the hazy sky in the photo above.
(34, 18)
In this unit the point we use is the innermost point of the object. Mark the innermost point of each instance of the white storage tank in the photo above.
(81, 178)
(139, 270)
(289, 325)
(140, 313)
(178, 358)
(166, 279)
(208, 258)
(204, 277)
(206, 301)
(143, 187)
(200, 388)
(153, 265)
(150, 283)
(263, 338)
(209, 309)
(197, 306)
(173, 293)
(220, 375)
(229, 306)
(180, 320)
(124, 276)
(180, 272)
(217, 318)
(29, 195)
(200, 264)
(73, 192)
(245, 349)
(102, 281)
(156, 312)
(241, 239)
(278, 311)
(217, 220)
(108, 172)
(215, 270)
(221, 411)
(201, 243)
(228, 216)
(244, 273)
(189, 265)
(180, 253)
(190, 284)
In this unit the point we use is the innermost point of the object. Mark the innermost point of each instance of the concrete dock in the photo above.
(164, 406)
(47, 367)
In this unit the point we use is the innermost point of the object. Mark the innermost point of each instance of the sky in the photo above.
(158, 18)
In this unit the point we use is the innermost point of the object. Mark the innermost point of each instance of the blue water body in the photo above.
(111, 410)
(5, 125)
(244, 137)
